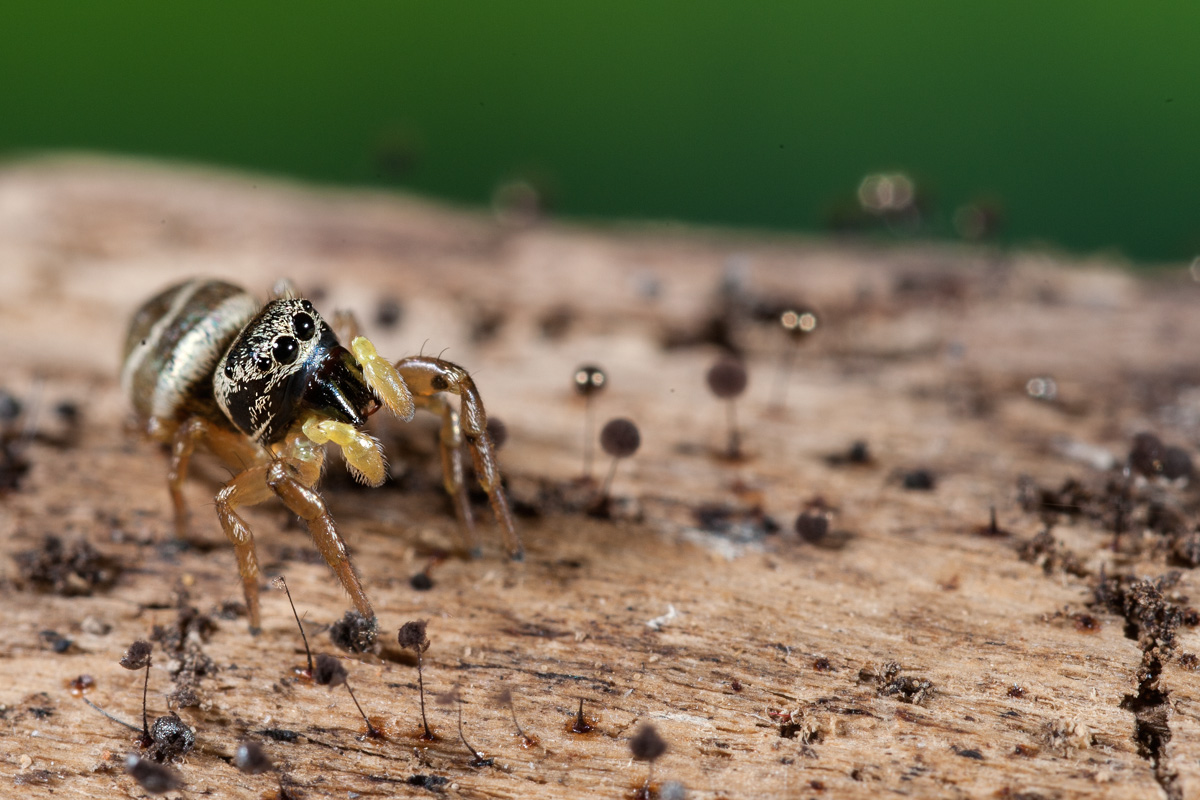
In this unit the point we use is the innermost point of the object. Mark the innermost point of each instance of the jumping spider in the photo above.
(264, 387)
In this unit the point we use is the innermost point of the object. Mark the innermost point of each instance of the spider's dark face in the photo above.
(287, 360)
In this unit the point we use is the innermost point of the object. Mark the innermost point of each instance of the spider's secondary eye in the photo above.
(285, 349)
(262, 361)
(304, 326)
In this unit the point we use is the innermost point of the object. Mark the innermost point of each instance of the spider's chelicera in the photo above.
(264, 387)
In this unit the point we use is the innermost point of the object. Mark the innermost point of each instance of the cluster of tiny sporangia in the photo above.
(170, 739)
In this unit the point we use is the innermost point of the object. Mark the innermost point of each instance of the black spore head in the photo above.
(920, 480)
(620, 437)
(354, 632)
(1146, 455)
(589, 380)
(421, 581)
(1176, 463)
(727, 378)
(329, 671)
(138, 655)
(10, 407)
(173, 738)
(812, 526)
(251, 759)
(412, 636)
(646, 744)
(388, 313)
(67, 411)
(858, 454)
(154, 778)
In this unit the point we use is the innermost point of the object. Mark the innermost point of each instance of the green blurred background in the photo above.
(1073, 123)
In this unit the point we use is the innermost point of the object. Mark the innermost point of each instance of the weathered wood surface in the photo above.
(924, 354)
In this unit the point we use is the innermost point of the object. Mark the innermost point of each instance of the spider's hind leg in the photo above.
(426, 377)
(247, 488)
(235, 450)
(183, 444)
(451, 445)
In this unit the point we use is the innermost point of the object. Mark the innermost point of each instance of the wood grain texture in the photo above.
(761, 658)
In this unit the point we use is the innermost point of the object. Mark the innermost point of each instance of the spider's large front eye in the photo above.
(285, 349)
(304, 326)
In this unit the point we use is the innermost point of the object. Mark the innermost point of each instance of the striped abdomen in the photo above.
(173, 346)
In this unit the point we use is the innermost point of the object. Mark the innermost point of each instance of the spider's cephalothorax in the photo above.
(286, 360)
(263, 387)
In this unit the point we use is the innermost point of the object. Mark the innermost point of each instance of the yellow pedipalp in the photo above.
(383, 378)
(362, 452)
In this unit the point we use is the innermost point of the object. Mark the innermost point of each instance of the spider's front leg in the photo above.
(294, 474)
(290, 475)
(451, 443)
(426, 377)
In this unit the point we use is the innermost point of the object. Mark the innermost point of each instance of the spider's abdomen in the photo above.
(174, 342)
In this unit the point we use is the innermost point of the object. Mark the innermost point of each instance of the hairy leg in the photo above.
(427, 376)
(234, 449)
(292, 477)
(183, 444)
(451, 442)
(248, 488)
